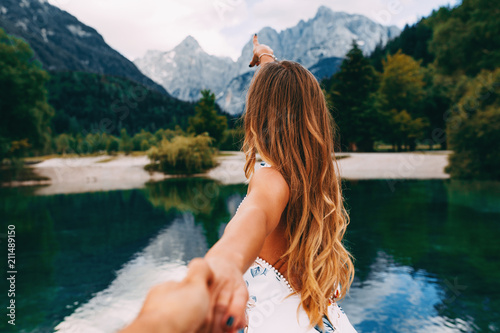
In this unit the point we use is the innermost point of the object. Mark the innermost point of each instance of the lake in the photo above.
(427, 252)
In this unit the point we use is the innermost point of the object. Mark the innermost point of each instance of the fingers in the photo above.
(238, 306)
(230, 309)
(221, 321)
(199, 272)
(255, 40)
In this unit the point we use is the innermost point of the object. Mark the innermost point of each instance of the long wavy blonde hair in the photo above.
(288, 123)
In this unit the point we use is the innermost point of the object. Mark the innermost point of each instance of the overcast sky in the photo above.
(221, 27)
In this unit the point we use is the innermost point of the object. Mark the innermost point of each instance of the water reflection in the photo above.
(426, 254)
(162, 259)
(211, 203)
(429, 237)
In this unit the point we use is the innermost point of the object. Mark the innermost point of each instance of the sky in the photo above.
(221, 27)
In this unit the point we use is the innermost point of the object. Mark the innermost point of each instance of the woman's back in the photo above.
(271, 307)
(293, 216)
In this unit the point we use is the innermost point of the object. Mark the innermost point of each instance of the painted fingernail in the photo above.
(249, 65)
(255, 34)
(230, 321)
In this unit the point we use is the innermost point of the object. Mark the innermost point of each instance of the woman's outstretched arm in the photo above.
(258, 215)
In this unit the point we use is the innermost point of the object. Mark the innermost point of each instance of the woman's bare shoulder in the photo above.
(270, 183)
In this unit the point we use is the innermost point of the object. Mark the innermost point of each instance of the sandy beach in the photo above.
(104, 173)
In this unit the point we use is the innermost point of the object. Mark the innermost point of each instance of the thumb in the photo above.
(255, 61)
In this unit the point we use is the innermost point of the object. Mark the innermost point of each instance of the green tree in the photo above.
(113, 145)
(63, 143)
(142, 140)
(401, 93)
(206, 119)
(435, 104)
(126, 144)
(233, 139)
(402, 81)
(466, 39)
(474, 130)
(23, 99)
(349, 95)
(412, 41)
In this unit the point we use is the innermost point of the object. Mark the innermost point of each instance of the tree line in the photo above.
(436, 84)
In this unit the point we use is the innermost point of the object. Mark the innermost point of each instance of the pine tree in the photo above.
(206, 119)
(349, 96)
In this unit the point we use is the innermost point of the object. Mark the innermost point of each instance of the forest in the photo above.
(433, 87)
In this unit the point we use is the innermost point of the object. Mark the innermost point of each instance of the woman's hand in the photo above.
(258, 51)
(231, 296)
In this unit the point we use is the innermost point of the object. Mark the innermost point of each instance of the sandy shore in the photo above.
(417, 165)
(103, 173)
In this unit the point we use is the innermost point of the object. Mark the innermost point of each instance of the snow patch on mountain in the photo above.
(319, 44)
(77, 30)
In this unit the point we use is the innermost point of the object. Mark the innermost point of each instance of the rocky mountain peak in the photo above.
(319, 44)
(188, 44)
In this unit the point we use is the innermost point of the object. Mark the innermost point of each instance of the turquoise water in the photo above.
(427, 253)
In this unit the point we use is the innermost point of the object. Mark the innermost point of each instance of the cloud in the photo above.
(221, 27)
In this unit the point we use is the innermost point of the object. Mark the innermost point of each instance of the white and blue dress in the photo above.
(270, 310)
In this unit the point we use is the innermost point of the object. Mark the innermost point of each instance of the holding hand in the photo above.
(261, 53)
(231, 295)
(178, 307)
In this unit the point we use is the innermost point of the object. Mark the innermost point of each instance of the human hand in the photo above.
(180, 307)
(231, 296)
(258, 51)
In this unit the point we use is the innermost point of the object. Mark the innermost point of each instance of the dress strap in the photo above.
(283, 261)
(265, 165)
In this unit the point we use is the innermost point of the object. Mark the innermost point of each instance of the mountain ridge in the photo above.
(61, 42)
(319, 44)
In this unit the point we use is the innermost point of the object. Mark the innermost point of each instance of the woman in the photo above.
(286, 237)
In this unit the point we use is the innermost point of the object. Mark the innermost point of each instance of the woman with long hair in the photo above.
(280, 265)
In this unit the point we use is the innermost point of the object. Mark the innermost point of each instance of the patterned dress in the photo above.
(270, 310)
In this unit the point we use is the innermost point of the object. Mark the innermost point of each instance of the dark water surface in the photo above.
(427, 252)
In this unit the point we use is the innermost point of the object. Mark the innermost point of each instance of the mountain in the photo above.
(187, 69)
(319, 44)
(61, 42)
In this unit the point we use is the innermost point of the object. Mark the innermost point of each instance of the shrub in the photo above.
(113, 145)
(183, 155)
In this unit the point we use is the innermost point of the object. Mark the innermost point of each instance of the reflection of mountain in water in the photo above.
(415, 294)
(163, 259)
(426, 252)
(439, 236)
(206, 207)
